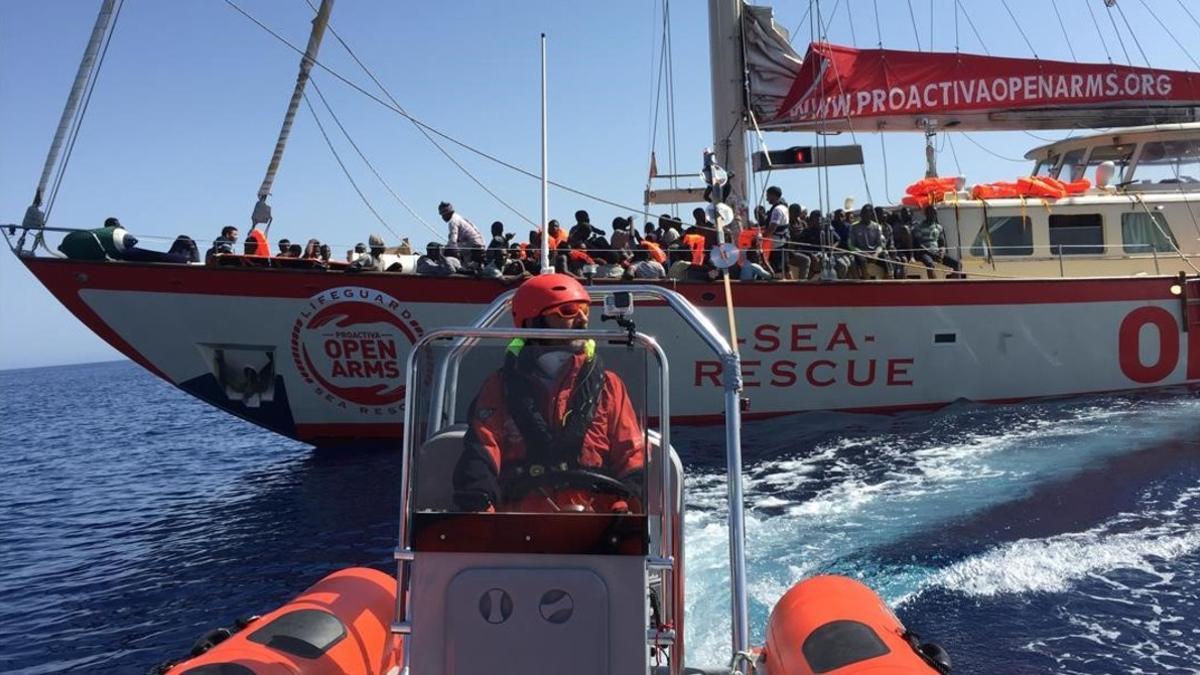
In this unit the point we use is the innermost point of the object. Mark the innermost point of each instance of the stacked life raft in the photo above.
(929, 191)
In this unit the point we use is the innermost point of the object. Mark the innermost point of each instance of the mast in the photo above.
(103, 20)
(727, 63)
(546, 268)
(262, 211)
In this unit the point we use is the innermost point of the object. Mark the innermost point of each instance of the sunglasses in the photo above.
(570, 310)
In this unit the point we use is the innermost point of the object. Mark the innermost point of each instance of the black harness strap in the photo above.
(550, 446)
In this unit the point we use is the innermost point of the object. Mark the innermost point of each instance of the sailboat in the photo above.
(1066, 293)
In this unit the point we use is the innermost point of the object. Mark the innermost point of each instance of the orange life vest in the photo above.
(695, 242)
(260, 246)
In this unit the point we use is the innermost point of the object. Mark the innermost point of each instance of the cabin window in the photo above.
(1005, 236)
(1073, 162)
(1077, 234)
(1047, 167)
(1117, 154)
(1169, 162)
(1141, 233)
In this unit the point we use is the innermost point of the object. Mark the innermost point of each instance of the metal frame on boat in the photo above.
(668, 560)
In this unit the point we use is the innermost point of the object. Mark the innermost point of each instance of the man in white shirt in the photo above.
(462, 233)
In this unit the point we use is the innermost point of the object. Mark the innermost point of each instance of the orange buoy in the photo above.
(833, 624)
(339, 625)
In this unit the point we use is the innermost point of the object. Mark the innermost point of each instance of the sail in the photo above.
(837, 88)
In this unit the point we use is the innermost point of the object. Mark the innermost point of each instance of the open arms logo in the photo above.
(350, 344)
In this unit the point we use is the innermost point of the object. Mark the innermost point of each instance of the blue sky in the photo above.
(189, 101)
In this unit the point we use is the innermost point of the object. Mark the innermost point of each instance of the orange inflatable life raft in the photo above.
(836, 625)
(339, 625)
(928, 191)
(1041, 187)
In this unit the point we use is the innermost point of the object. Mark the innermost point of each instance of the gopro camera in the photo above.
(618, 305)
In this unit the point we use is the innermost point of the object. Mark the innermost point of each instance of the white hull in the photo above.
(864, 346)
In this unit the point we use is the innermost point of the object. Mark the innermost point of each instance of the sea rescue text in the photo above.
(810, 354)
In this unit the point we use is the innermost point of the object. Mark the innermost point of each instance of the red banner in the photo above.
(839, 88)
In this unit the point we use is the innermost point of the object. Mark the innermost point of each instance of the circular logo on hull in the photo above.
(350, 343)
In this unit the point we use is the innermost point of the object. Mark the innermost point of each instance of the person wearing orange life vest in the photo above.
(256, 243)
(552, 429)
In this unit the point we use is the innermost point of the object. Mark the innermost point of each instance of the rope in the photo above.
(394, 107)
(913, 18)
(1099, 33)
(77, 122)
(346, 171)
(1168, 32)
(1019, 29)
(366, 161)
(1063, 26)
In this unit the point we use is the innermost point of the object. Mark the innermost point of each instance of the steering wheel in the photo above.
(580, 479)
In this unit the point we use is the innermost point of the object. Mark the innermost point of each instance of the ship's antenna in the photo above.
(262, 211)
(546, 268)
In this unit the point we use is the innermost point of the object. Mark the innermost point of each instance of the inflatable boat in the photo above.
(592, 587)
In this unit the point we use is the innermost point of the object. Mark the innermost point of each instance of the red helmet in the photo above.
(543, 292)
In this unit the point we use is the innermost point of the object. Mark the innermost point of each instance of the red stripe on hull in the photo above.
(62, 278)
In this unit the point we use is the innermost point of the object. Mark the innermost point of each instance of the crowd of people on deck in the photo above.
(781, 241)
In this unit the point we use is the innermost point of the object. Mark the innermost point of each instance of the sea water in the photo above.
(1059, 537)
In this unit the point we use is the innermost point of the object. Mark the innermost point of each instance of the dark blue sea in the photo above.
(1058, 537)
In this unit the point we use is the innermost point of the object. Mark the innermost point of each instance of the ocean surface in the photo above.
(1058, 537)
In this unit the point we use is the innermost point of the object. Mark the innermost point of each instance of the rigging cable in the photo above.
(990, 152)
(878, 30)
(366, 161)
(346, 171)
(971, 23)
(433, 130)
(77, 122)
(955, 26)
(913, 18)
(862, 167)
(1120, 40)
(671, 122)
(1133, 35)
(395, 106)
(1192, 16)
(954, 154)
(651, 112)
(800, 25)
(1063, 26)
(1168, 31)
(1099, 33)
(1019, 29)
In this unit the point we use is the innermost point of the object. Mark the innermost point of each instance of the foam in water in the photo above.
(825, 508)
